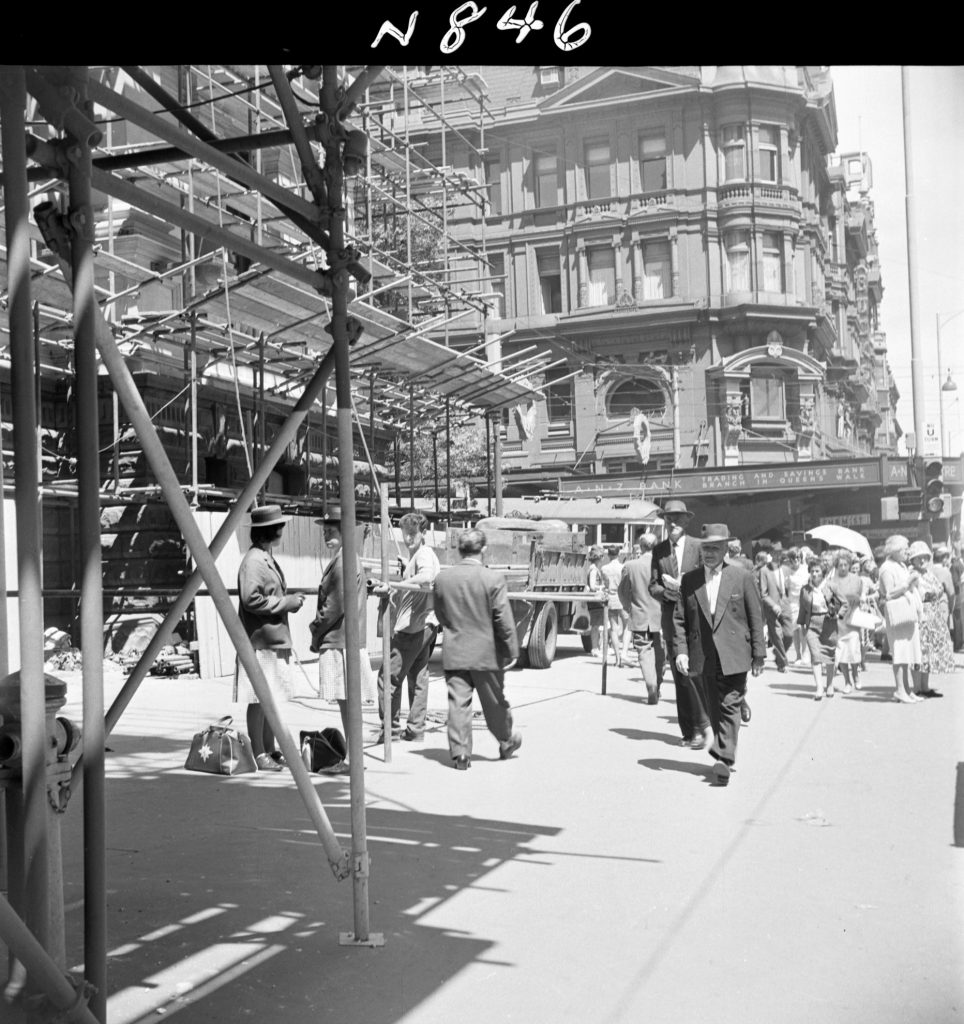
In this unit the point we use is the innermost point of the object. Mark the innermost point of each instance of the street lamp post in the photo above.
(946, 385)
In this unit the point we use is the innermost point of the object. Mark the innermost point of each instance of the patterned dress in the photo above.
(937, 652)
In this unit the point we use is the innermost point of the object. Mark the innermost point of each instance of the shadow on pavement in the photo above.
(222, 904)
(665, 764)
(641, 734)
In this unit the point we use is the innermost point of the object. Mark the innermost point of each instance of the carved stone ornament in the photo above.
(774, 345)
(734, 411)
(807, 414)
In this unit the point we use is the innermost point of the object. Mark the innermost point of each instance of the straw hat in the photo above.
(918, 548)
(267, 515)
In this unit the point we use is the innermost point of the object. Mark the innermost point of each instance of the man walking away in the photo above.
(479, 643)
(719, 637)
(645, 615)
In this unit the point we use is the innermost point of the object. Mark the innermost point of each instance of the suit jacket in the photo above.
(806, 603)
(331, 605)
(664, 563)
(261, 592)
(645, 611)
(734, 631)
(770, 590)
(472, 604)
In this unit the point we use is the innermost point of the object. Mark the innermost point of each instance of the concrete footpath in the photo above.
(595, 878)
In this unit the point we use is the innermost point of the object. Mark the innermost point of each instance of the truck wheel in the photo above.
(542, 642)
(586, 639)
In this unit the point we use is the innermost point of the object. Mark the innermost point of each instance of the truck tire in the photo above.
(542, 641)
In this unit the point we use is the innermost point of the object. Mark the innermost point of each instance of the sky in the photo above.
(869, 103)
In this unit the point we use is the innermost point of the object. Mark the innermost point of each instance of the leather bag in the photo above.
(221, 750)
(900, 611)
(323, 749)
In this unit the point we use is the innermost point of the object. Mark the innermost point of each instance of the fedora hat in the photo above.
(675, 505)
(715, 531)
(332, 516)
(267, 515)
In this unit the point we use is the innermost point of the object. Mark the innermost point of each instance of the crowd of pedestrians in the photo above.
(697, 605)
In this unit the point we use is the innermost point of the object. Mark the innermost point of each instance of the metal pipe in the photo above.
(386, 627)
(193, 399)
(354, 91)
(85, 309)
(488, 462)
(334, 180)
(219, 236)
(497, 470)
(49, 977)
(916, 361)
(299, 136)
(35, 886)
(411, 445)
(448, 457)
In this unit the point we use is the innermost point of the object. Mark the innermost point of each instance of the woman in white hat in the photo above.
(898, 589)
(937, 651)
(264, 607)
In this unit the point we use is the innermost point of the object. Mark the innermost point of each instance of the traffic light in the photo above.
(932, 488)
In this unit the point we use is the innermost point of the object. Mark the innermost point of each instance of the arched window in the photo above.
(641, 394)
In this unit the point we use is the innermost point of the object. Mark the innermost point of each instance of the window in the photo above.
(497, 281)
(734, 153)
(602, 276)
(546, 181)
(772, 262)
(559, 402)
(767, 397)
(550, 281)
(550, 76)
(652, 161)
(637, 395)
(656, 271)
(769, 153)
(597, 170)
(737, 266)
(493, 178)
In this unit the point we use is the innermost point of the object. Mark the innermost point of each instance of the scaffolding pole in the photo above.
(30, 832)
(335, 182)
(80, 217)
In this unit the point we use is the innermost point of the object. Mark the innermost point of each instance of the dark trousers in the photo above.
(724, 697)
(409, 660)
(780, 633)
(461, 683)
(690, 704)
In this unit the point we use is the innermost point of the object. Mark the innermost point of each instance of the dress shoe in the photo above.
(410, 735)
(721, 773)
(462, 764)
(279, 758)
(745, 713)
(702, 740)
(506, 750)
(267, 763)
(931, 693)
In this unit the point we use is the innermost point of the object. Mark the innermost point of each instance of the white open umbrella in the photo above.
(842, 537)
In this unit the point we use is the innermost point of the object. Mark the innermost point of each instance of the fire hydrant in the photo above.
(62, 736)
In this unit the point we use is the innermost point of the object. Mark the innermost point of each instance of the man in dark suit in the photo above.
(479, 640)
(719, 638)
(645, 615)
(776, 609)
(678, 554)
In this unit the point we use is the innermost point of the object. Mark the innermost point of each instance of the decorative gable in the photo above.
(607, 84)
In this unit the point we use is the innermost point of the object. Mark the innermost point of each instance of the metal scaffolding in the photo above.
(232, 230)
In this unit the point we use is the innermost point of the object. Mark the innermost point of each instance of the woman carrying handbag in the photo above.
(817, 620)
(901, 606)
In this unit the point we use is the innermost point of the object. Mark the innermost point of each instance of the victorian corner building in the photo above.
(701, 267)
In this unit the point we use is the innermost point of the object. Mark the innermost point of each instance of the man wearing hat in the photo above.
(264, 605)
(719, 638)
(678, 554)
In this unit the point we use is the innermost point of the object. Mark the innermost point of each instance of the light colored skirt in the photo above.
(279, 669)
(848, 651)
(331, 675)
(904, 644)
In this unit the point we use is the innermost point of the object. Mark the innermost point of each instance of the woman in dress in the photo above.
(937, 650)
(264, 607)
(846, 587)
(895, 581)
(819, 628)
(596, 585)
(796, 576)
(328, 628)
(612, 573)
(868, 603)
